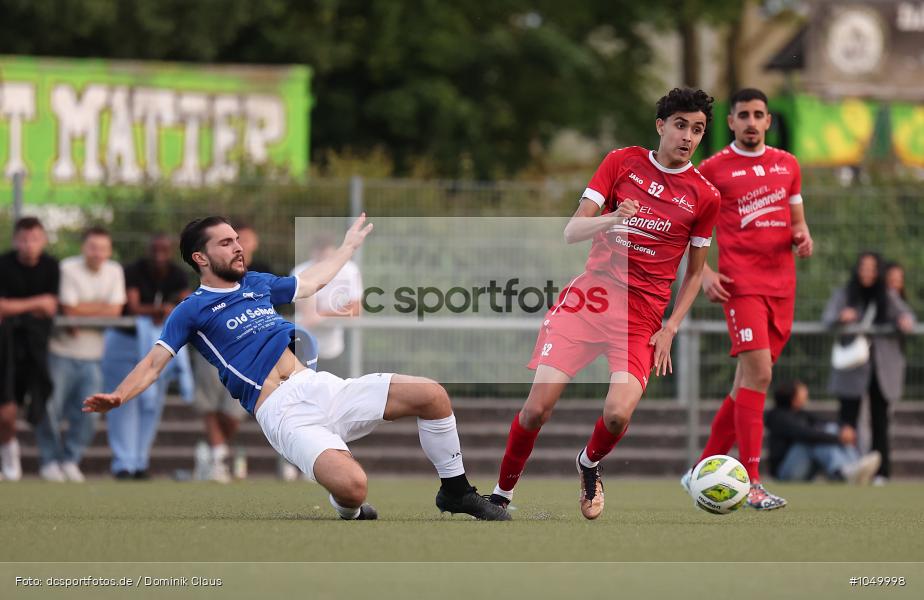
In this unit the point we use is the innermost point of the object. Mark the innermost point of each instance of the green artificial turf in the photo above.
(650, 522)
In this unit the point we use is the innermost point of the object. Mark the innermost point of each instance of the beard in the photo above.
(228, 272)
(748, 143)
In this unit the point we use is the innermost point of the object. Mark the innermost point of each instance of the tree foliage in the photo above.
(473, 87)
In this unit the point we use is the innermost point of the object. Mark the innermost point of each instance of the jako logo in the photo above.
(218, 307)
(739, 173)
(636, 179)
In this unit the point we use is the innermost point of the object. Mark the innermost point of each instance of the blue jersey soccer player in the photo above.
(307, 416)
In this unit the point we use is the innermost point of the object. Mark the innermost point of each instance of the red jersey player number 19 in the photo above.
(760, 220)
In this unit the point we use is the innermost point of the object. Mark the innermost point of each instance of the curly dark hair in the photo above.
(685, 100)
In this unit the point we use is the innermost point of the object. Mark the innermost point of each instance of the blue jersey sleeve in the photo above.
(178, 327)
(282, 289)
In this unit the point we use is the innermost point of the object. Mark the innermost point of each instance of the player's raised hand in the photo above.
(627, 209)
(357, 233)
(802, 239)
(662, 341)
(713, 286)
(102, 403)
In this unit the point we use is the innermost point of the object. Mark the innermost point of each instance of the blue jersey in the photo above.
(236, 329)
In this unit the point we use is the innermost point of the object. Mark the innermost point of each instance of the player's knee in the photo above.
(431, 401)
(759, 376)
(534, 417)
(616, 419)
(353, 490)
(438, 398)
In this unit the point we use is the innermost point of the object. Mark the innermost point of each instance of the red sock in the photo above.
(519, 446)
(602, 441)
(749, 429)
(722, 435)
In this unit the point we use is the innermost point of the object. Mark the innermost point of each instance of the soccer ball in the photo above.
(719, 484)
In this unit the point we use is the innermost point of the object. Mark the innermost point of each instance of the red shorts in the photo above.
(759, 322)
(596, 316)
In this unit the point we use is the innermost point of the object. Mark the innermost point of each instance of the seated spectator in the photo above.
(92, 285)
(154, 285)
(28, 303)
(802, 445)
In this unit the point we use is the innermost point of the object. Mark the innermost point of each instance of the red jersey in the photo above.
(755, 225)
(678, 207)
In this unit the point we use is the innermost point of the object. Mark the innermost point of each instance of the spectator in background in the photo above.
(92, 285)
(802, 445)
(250, 243)
(153, 285)
(221, 412)
(881, 379)
(895, 279)
(28, 303)
(320, 313)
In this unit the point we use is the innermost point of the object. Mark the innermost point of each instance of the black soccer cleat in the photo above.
(498, 500)
(367, 512)
(471, 503)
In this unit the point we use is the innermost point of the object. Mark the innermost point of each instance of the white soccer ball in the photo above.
(719, 484)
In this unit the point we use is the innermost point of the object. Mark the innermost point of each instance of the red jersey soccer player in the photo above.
(654, 205)
(760, 220)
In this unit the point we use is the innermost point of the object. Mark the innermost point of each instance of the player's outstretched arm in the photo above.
(663, 339)
(585, 224)
(143, 375)
(319, 274)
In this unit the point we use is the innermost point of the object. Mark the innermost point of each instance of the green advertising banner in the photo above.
(832, 133)
(72, 125)
(908, 133)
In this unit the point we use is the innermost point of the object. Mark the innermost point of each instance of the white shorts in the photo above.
(316, 411)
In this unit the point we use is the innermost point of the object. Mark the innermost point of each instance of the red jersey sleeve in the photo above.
(795, 190)
(701, 232)
(705, 168)
(603, 182)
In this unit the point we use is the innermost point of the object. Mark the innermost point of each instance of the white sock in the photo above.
(440, 442)
(586, 461)
(504, 493)
(343, 511)
(220, 453)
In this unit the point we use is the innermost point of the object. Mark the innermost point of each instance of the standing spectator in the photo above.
(340, 298)
(802, 445)
(92, 285)
(250, 243)
(28, 303)
(153, 285)
(881, 379)
(221, 412)
(895, 279)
